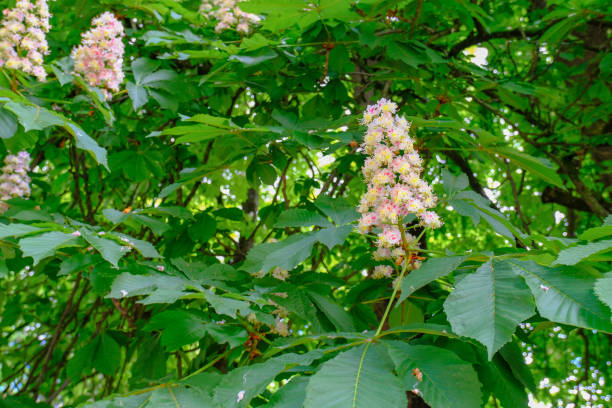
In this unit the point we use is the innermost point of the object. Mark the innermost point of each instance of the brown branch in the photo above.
(515, 195)
(123, 312)
(416, 17)
(56, 336)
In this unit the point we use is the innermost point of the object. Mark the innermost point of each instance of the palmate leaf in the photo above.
(358, 378)
(33, 117)
(447, 381)
(565, 295)
(488, 305)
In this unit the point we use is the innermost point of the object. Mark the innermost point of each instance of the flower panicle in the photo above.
(395, 188)
(23, 42)
(99, 57)
(228, 15)
(14, 179)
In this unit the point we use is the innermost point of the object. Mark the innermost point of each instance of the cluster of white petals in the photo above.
(14, 180)
(22, 37)
(228, 15)
(99, 57)
(395, 188)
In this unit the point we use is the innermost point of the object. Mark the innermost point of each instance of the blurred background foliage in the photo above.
(223, 146)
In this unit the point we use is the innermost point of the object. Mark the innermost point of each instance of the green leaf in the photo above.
(336, 314)
(254, 58)
(176, 397)
(239, 386)
(138, 94)
(513, 356)
(85, 142)
(8, 124)
(497, 377)
(160, 288)
(44, 245)
(453, 183)
(575, 254)
(299, 217)
(145, 248)
(81, 362)
(227, 306)
(150, 363)
(361, 377)
(447, 381)
(110, 250)
(179, 327)
(234, 335)
(107, 357)
(332, 236)
(565, 295)
(204, 228)
(33, 117)
(603, 289)
(431, 270)
(290, 395)
(535, 166)
(286, 254)
(17, 230)
(338, 209)
(488, 305)
(143, 67)
(595, 233)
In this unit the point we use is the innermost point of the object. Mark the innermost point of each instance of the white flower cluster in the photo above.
(228, 15)
(22, 37)
(395, 188)
(14, 180)
(99, 57)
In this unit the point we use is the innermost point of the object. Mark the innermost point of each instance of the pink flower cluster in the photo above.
(228, 15)
(14, 180)
(99, 57)
(22, 37)
(395, 188)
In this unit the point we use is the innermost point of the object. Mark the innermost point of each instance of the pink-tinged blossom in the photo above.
(228, 15)
(395, 187)
(382, 271)
(99, 57)
(14, 180)
(381, 254)
(390, 237)
(22, 37)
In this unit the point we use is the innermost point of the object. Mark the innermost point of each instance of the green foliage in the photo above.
(191, 241)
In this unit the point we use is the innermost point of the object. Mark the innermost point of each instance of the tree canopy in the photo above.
(182, 183)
